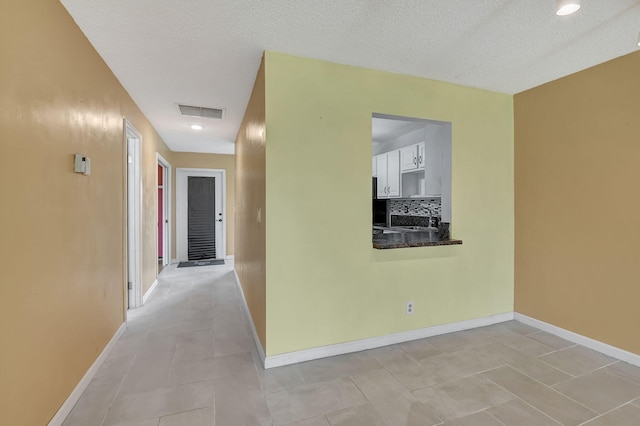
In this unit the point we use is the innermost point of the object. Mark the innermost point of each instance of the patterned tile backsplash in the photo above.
(416, 207)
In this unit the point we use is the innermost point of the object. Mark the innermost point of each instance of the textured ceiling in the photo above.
(207, 52)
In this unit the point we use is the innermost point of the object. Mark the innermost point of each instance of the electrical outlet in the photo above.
(409, 308)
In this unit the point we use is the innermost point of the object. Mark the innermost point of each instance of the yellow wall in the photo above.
(577, 229)
(325, 282)
(250, 247)
(61, 233)
(205, 161)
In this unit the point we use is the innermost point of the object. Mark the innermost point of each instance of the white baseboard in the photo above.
(245, 308)
(149, 291)
(588, 342)
(67, 406)
(376, 342)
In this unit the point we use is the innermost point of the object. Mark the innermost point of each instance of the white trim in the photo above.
(133, 141)
(73, 398)
(376, 342)
(245, 308)
(166, 191)
(181, 209)
(588, 342)
(149, 291)
(229, 257)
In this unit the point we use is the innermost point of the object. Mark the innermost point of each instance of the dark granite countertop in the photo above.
(410, 239)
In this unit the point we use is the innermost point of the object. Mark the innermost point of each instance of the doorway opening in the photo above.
(164, 212)
(200, 214)
(134, 201)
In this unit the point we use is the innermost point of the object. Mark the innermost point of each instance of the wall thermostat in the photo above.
(82, 164)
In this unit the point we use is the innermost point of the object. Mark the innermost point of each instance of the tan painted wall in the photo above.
(61, 233)
(205, 161)
(250, 251)
(577, 151)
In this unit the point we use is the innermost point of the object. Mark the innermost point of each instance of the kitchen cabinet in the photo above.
(388, 174)
(412, 157)
(374, 167)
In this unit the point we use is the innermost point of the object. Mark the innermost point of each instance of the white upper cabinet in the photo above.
(374, 167)
(409, 158)
(412, 157)
(393, 173)
(387, 167)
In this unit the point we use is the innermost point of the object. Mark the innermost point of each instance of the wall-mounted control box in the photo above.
(82, 164)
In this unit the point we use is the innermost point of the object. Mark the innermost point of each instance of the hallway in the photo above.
(188, 358)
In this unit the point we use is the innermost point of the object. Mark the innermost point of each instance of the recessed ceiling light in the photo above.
(196, 127)
(567, 7)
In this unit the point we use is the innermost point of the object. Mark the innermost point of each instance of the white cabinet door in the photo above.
(409, 158)
(388, 168)
(393, 173)
(381, 167)
(421, 155)
(374, 167)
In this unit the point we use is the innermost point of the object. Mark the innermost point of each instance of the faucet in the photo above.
(430, 212)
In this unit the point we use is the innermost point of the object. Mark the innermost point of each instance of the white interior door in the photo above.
(165, 209)
(183, 211)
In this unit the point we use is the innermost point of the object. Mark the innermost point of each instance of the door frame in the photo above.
(182, 175)
(133, 201)
(166, 208)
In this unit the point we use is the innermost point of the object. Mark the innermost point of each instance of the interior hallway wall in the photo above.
(577, 150)
(250, 248)
(62, 234)
(206, 161)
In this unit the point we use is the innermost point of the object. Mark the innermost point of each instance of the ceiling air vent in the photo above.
(196, 111)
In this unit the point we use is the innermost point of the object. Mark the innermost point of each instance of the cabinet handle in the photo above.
(420, 160)
(414, 161)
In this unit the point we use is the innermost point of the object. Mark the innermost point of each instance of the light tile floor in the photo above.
(187, 358)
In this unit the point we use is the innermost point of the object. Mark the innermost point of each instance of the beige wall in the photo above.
(325, 283)
(577, 146)
(250, 249)
(61, 233)
(205, 161)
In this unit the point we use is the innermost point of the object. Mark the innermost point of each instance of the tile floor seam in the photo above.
(593, 371)
(541, 412)
(573, 376)
(117, 392)
(456, 378)
(558, 350)
(503, 388)
(605, 413)
(559, 393)
(618, 375)
(486, 411)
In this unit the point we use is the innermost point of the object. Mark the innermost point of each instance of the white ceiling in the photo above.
(207, 52)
